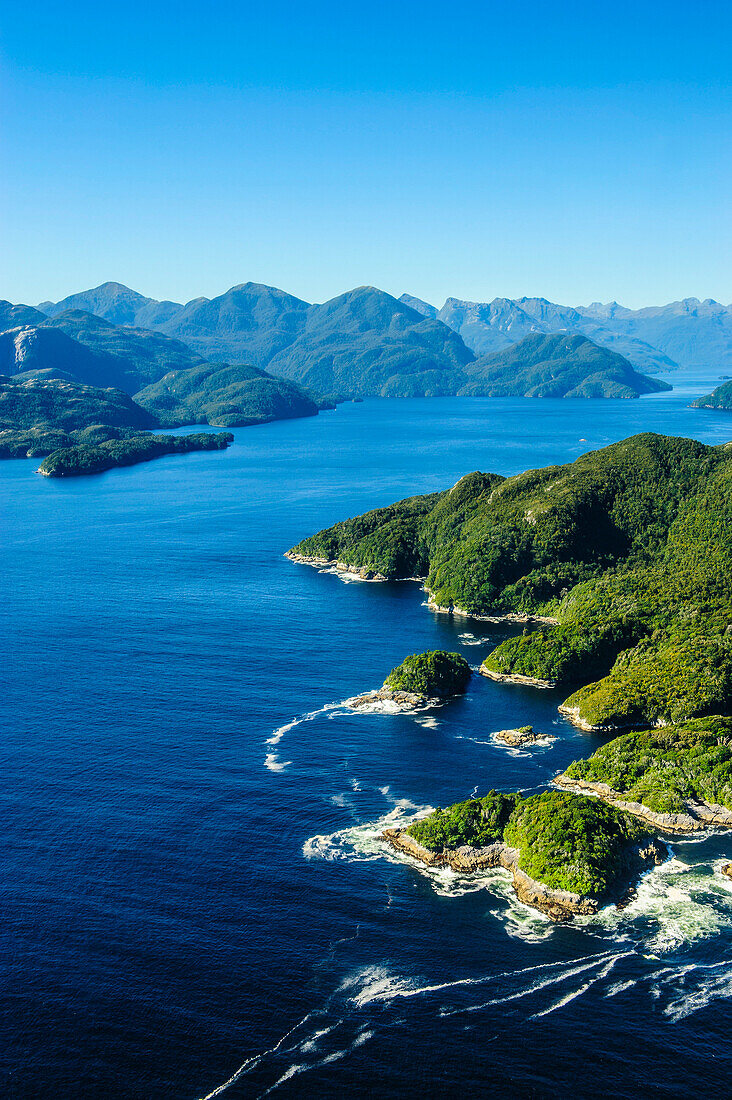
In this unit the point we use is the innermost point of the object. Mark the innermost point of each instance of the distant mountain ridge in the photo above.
(256, 322)
(364, 342)
(558, 364)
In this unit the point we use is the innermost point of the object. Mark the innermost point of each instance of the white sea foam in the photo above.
(272, 761)
(363, 843)
(280, 732)
(274, 764)
(675, 905)
(470, 639)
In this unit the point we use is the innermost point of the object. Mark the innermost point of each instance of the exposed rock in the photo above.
(726, 869)
(509, 617)
(573, 714)
(559, 905)
(524, 735)
(401, 700)
(362, 572)
(515, 678)
(699, 816)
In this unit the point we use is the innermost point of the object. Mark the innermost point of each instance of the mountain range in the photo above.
(364, 342)
(255, 323)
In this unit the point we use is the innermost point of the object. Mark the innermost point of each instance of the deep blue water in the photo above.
(192, 882)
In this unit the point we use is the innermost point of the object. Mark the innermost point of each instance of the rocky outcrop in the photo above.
(515, 678)
(726, 869)
(362, 572)
(699, 815)
(573, 715)
(524, 735)
(400, 700)
(509, 617)
(560, 906)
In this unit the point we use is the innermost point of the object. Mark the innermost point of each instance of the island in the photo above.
(95, 458)
(523, 736)
(422, 679)
(616, 567)
(568, 854)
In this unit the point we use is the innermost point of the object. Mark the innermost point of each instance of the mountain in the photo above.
(250, 323)
(224, 396)
(39, 415)
(418, 305)
(558, 365)
(491, 326)
(625, 553)
(37, 348)
(721, 398)
(365, 343)
(488, 326)
(112, 301)
(695, 333)
(143, 356)
(17, 316)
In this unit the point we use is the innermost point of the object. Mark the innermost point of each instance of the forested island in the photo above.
(421, 679)
(91, 458)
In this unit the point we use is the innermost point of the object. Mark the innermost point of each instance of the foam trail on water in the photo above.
(279, 733)
(274, 764)
(272, 761)
(254, 1061)
(573, 994)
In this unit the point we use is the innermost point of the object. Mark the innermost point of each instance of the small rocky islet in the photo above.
(421, 680)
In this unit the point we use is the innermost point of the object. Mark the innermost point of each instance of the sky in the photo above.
(573, 151)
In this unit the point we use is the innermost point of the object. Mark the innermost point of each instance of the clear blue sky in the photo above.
(572, 150)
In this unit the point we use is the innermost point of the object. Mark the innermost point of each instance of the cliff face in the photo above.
(560, 906)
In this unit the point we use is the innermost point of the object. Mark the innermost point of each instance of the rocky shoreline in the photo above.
(561, 906)
(402, 700)
(360, 572)
(699, 816)
(515, 678)
(509, 617)
(572, 714)
(523, 736)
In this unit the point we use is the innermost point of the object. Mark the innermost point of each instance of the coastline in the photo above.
(561, 906)
(363, 572)
(700, 816)
(515, 678)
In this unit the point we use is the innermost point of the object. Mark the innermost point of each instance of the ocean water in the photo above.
(195, 899)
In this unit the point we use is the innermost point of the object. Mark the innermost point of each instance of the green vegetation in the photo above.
(137, 357)
(721, 398)
(477, 822)
(566, 841)
(39, 415)
(224, 396)
(557, 365)
(89, 458)
(662, 768)
(435, 673)
(569, 842)
(629, 548)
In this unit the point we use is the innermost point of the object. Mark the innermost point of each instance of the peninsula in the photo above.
(91, 458)
(568, 854)
(619, 564)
